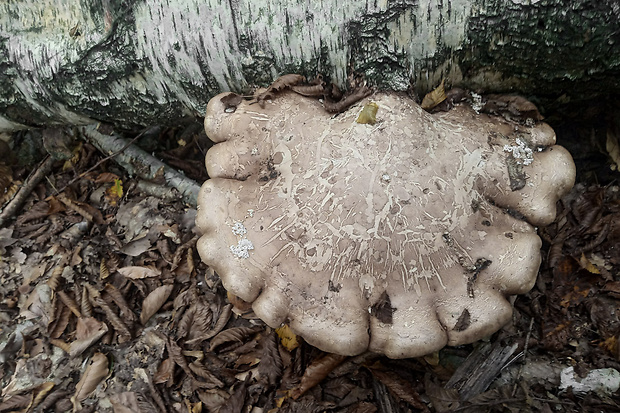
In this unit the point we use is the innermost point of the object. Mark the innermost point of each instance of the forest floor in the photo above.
(105, 305)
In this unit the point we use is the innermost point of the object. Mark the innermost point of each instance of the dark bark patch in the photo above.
(230, 102)
(383, 309)
(480, 265)
(516, 175)
(463, 322)
(270, 173)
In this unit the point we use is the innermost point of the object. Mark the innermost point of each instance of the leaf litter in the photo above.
(105, 306)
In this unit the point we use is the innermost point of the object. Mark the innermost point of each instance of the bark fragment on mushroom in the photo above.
(399, 236)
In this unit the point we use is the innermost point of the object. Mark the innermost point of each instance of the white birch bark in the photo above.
(150, 61)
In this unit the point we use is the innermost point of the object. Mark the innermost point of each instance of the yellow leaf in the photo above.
(115, 192)
(287, 337)
(434, 98)
(587, 265)
(368, 114)
(75, 157)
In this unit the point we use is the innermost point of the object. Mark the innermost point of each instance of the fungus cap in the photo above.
(398, 237)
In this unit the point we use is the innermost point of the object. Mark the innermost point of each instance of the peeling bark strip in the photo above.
(154, 61)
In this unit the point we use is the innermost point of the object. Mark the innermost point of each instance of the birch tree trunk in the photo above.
(142, 62)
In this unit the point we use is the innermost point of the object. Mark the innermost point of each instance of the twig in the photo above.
(15, 204)
(525, 348)
(138, 162)
(95, 166)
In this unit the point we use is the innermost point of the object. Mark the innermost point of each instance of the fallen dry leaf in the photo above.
(287, 337)
(315, 372)
(270, 361)
(434, 98)
(41, 392)
(368, 115)
(126, 402)
(399, 387)
(88, 331)
(115, 192)
(153, 302)
(165, 372)
(237, 334)
(16, 402)
(136, 273)
(613, 144)
(96, 371)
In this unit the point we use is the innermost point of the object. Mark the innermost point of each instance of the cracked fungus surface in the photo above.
(399, 237)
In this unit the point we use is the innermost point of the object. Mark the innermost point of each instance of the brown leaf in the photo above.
(53, 397)
(131, 402)
(316, 372)
(231, 101)
(39, 210)
(88, 331)
(66, 347)
(69, 302)
(444, 400)
(165, 372)
(612, 144)
(219, 325)
(16, 402)
(516, 106)
(41, 393)
(136, 273)
(185, 323)
(60, 322)
(96, 371)
(85, 210)
(202, 372)
(54, 279)
(343, 104)
(236, 401)
(85, 305)
(310, 90)
(201, 322)
(106, 177)
(213, 399)
(176, 354)
(362, 407)
(281, 83)
(434, 98)
(104, 271)
(270, 361)
(241, 307)
(399, 387)
(118, 324)
(237, 334)
(153, 302)
(120, 301)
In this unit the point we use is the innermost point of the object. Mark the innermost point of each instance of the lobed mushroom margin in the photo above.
(399, 237)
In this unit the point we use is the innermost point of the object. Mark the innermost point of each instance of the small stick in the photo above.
(15, 204)
(138, 162)
(95, 166)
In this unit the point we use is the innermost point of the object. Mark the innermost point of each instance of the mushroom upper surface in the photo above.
(398, 237)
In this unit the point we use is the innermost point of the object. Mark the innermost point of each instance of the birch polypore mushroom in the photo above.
(398, 237)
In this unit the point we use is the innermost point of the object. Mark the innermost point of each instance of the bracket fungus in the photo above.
(398, 237)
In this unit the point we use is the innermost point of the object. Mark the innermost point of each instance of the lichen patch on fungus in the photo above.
(388, 236)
